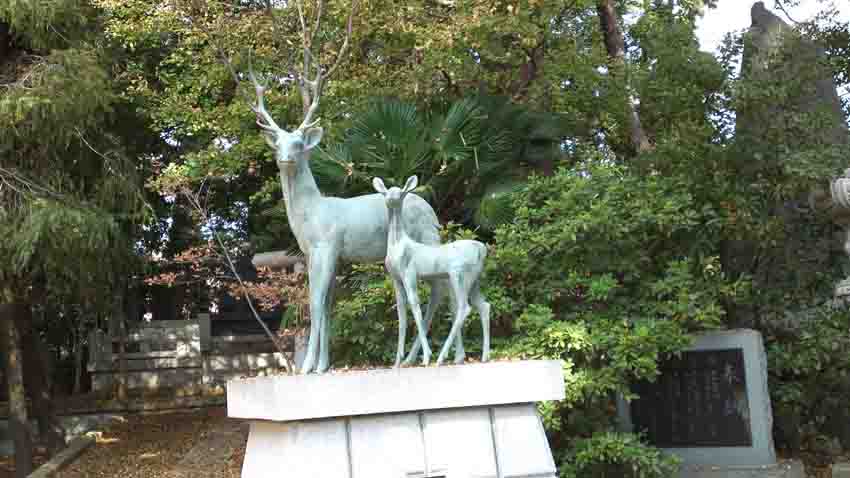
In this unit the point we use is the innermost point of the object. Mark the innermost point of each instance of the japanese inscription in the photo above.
(698, 400)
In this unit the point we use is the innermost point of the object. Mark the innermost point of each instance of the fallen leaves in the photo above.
(152, 446)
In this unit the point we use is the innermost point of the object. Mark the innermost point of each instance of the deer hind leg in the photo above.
(456, 280)
(460, 353)
(483, 308)
(401, 304)
(438, 293)
(468, 281)
(321, 265)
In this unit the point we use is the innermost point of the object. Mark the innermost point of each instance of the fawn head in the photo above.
(394, 196)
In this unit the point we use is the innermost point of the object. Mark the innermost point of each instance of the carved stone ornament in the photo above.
(840, 189)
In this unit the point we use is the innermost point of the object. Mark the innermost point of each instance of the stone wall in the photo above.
(180, 357)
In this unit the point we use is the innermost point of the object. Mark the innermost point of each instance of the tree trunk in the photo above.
(10, 343)
(78, 360)
(616, 48)
(5, 42)
(119, 326)
(39, 382)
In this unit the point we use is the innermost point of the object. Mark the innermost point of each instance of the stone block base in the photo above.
(488, 442)
(468, 421)
(787, 469)
(841, 470)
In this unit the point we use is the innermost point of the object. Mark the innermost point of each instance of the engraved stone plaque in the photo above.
(698, 400)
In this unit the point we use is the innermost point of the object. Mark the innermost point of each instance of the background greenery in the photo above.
(515, 116)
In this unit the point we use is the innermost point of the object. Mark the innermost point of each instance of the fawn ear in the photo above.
(378, 184)
(312, 136)
(411, 184)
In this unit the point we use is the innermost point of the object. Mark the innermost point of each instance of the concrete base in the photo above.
(788, 469)
(841, 470)
(506, 441)
(470, 421)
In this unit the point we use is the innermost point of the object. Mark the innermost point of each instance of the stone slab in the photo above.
(302, 397)
(74, 449)
(505, 441)
(788, 469)
(841, 470)
(761, 452)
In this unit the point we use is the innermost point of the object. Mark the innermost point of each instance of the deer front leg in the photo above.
(401, 304)
(321, 265)
(325, 330)
(438, 293)
(409, 282)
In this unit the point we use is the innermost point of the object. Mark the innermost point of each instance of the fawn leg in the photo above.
(438, 292)
(413, 300)
(401, 305)
(461, 311)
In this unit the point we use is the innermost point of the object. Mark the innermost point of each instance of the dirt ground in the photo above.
(153, 446)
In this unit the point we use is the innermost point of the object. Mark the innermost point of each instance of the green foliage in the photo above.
(613, 244)
(70, 196)
(47, 23)
(810, 378)
(68, 87)
(365, 325)
(620, 455)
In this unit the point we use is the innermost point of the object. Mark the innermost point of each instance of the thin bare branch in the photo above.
(344, 48)
(781, 6)
(320, 7)
(194, 200)
(225, 59)
(311, 90)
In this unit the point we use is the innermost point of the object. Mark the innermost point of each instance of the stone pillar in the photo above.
(840, 195)
(206, 332)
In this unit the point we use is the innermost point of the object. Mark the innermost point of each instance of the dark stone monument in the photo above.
(711, 407)
(699, 400)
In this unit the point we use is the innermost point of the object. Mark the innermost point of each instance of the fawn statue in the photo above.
(408, 260)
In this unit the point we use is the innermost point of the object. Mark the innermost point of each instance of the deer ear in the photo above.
(312, 136)
(411, 184)
(378, 184)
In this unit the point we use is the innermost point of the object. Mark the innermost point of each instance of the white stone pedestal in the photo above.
(467, 421)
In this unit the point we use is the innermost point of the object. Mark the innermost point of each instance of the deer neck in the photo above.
(300, 193)
(397, 233)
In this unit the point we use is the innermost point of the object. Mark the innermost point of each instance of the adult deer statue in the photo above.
(330, 229)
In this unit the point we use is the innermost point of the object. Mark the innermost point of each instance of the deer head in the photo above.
(289, 146)
(292, 147)
(395, 195)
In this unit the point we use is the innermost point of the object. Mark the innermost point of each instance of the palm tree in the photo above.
(468, 155)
